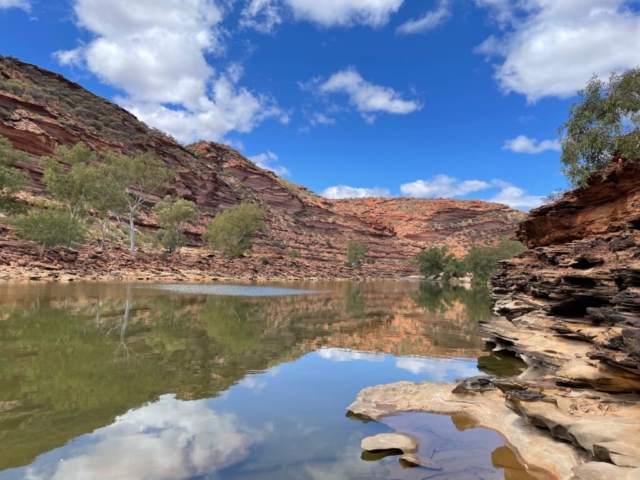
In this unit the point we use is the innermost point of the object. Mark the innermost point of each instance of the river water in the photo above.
(143, 382)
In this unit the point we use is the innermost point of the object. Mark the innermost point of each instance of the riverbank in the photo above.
(19, 262)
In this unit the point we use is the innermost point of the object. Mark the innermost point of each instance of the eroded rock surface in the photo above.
(390, 441)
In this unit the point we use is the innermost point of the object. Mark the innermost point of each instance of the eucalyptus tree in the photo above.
(12, 180)
(137, 179)
(173, 215)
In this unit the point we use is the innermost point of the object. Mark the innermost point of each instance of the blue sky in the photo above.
(438, 98)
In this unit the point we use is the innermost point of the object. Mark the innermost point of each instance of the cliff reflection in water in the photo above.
(73, 358)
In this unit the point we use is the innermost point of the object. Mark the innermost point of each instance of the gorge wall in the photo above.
(570, 306)
(41, 110)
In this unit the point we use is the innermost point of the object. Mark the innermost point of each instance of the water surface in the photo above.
(224, 382)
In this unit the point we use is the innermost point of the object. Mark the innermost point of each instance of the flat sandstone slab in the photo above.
(536, 447)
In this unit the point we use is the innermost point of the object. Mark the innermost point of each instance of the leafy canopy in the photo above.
(230, 232)
(173, 215)
(12, 180)
(69, 184)
(480, 262)
(603, 124)
(433, 262)
(356, 254)
(49, 228)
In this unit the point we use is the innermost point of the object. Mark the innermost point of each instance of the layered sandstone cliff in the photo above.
(570, 306)
(41, 110)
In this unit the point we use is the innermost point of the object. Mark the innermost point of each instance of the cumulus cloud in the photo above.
(261, 15)
(367, 98)
(154, 50)
(516, 197)
(442, 186)
(166, 439)
(269, 161)
(552, 48)
(23, 4)
(344, 191)
(429, 21)
(329, 13)
(524, 144)
(321, 119)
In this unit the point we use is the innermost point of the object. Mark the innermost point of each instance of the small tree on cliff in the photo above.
(49, 228)
(231, 231)
(356, 254)
(136, 178)
(173, 216)
(12, 180)
(65, 176)
(603, 124)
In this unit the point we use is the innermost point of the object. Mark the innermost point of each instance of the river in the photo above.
(143, 382)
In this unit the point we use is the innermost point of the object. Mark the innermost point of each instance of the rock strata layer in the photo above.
(41, 110)
(570, 307)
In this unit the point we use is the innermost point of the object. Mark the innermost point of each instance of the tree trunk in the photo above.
(132, 233)
(103, 227)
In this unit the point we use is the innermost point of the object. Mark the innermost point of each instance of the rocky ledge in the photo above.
(569, 307)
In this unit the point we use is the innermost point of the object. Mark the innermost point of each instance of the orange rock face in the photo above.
(41, 110)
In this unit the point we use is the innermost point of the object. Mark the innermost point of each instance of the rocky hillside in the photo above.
(571, 307)
(41, 110)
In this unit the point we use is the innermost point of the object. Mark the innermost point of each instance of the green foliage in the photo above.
(433, 262)
(69, 185)
(264, 260)
(173, 215)
(230, 232)
(482, 262)
(49, 229)
(293, 253)
(12, 180)
(356, 254)
(136, 178)
(603, 124)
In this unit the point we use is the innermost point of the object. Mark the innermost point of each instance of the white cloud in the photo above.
(429, 21)
(23, 4)
(515, 197)
(269, 161)
(166, 439)
(552, 48)
(369, 99)
(344, 191)
(155, 51)
(524, 144)
(261, 15)
(442, 186)
(329, 13)
(340, 355)
(321, 119)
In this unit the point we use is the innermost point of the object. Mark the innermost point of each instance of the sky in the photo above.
(351, 98)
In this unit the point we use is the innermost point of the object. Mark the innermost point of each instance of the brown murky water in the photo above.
(204, 382)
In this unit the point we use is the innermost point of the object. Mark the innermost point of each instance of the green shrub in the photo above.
(433, 261)
(264, 260)
(139, 256)
(293, 253)
(231, 231)
(49, 228)
(356, 254)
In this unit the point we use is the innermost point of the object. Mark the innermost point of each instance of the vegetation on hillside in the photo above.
(356, 254)
(50, 228)
(602, 125)
(173, 215)
(231, 231)
(481, 262)
(12, 180)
